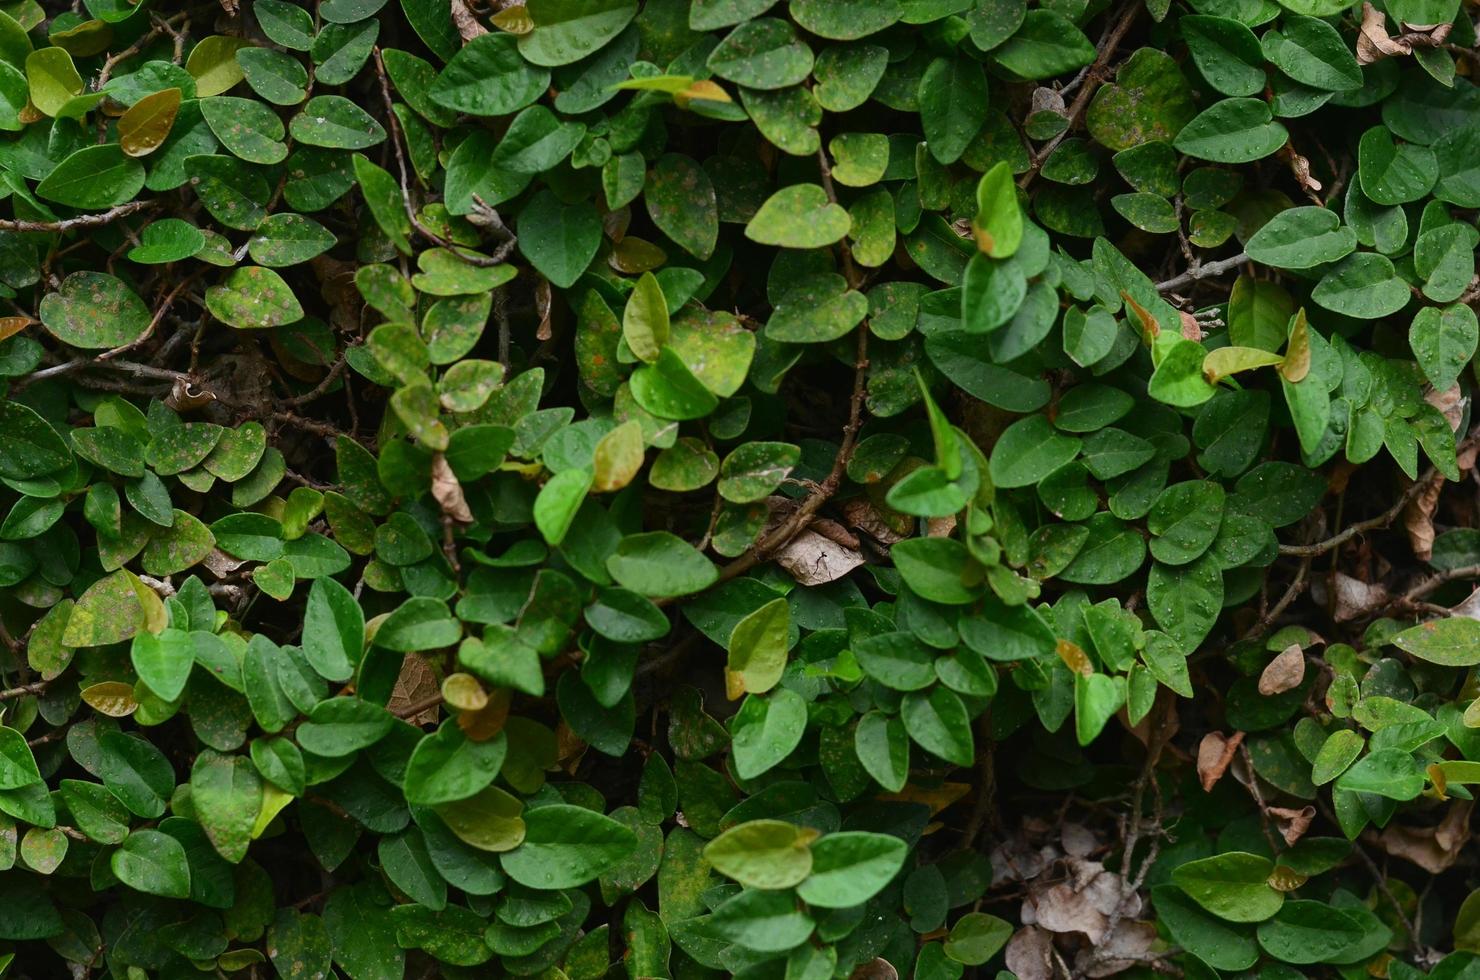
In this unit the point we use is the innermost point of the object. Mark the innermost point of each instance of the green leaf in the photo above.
(569, 30)
(447, 766)
(682, 202)
(1232, 131)
(763, 853)
(998, 225)
(799, 216)
(1226, 52)
(765, 731)
(763, 921)
(1232, 886)
(1391, 773)
(333, 630)
(566, 846)
(488, 77)
(937, 721)
(1449, 642)
(52, 79)
(344, 725)
(253, 297)
(226, 793)
(153, 863)
(1443, 342)
(657, 563)
(883, 748)
(976, 937)
(1394, 173)
(559, 240)
(851, 867)
(1363, 285)
(1047, 44)
(94, 177)
(1301, 238)
(645, 319)
(1304, 932)
(1311, 52)
(163, 661)
(1029, 450)
(335, 122)
(953, 104)
(764, 53)
(938, 569)
(757, 649)
(94, 310)
(17, 764)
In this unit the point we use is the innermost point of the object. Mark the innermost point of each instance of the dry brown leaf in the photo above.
(1469, 607)
(1030, 954)
(448, 492)
(814, 560)
(1355, 598)
(1434, 849)
(1300, 166)
(833, 531)
(862, 514)
(1214, 753)
(875, 969)
(1418, 518)
(1084, 903)
(467, 24)
(1284, 672)
(220, 564)
(1292, 824)
(940, 527)
(416, 683)
(1078, 841)
(1128, 945)
(1373, 41)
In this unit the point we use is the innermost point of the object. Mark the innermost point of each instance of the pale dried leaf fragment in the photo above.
(1030, 954)
(1435, 849)
(448, 492)
(1291, 823)
(416, 683)
(1355, 598)
(1128, 944)
(467, 24)
(1418, 518)
(815, 560)
(1373, 41)
(862, 514)
(1214, 753)
(1284, 672)
(877, 968)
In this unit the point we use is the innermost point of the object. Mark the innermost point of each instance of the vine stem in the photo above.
(80, 221)
(1092, 78)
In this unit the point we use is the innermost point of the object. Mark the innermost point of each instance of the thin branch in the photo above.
(1205, 271)
(1092, 77)
(80, 221)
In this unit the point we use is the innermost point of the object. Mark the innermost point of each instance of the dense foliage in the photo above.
(799, 489)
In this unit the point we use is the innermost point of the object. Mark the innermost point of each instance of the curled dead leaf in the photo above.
(416, 683)
(1434, 849)
(1030, 954)
(877, 968)
(1284, 672)
(1355, 598)
(1127, 946)
(448, 492)
(815, 560)
(1214, 753)
(1292, 824)
(1418, 518)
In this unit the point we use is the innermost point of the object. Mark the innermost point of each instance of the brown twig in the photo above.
(1206, 270)
(80, 221)
(1093, 76)
(35, 687)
